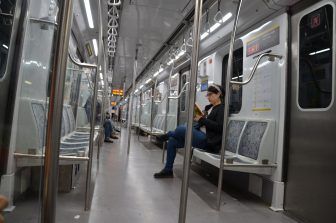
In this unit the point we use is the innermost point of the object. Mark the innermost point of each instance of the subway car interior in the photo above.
(202, 111)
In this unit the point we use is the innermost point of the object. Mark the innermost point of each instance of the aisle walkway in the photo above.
(126, 192)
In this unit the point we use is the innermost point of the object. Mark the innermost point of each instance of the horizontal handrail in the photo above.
(37, 20)
(67, 158)
(182, 90)
(271, 57)
(86, 65)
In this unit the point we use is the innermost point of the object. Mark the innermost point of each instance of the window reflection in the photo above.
(315, 65)
(237, 75)
(183, 95)
(6, 23)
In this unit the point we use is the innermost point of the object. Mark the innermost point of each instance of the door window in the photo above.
(6, 24)
(237, 75)
(315, 59)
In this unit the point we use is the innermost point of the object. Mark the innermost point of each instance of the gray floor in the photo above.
(126, 192)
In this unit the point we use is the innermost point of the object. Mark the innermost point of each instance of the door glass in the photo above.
(315, 59)
(75, 140)
(183, 95)
(7, 9)
(27, 141)
(237, 75)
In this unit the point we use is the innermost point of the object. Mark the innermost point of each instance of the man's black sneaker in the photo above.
(108, 140)
(163, 137)
(164, 174)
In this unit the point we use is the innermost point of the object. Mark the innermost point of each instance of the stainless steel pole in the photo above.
(129, 124)
(167, 109)
(50, 175)
(93, 113)
(227, 103)
(124, 91)
(140, 110)
(152, 110)
(188, 140)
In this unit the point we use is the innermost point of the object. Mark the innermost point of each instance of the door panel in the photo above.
(310, 191)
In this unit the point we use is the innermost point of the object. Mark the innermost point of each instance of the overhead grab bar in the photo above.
(271, 57)
(113, 12)
(114, 2)
(182, 90)
(80, 64)
(86, 65)
(219, 15)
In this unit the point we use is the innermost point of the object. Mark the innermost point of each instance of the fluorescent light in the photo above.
(204, 35)
(180, 54)
(214, 27)
(320, 51)
(149, 80)
(136, 91)
(141, 86)
(99, 67)
(101, 76)
(5, 46)
(174, 75)
(95, 46)
(88, 13)
(234, 78)
(28, 82)
(157, 72)
(226, 17)
(177, 57)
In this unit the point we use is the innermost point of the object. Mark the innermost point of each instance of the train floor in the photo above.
(126, 191)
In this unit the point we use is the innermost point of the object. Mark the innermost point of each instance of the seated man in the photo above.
(210, 140)
(107, 129)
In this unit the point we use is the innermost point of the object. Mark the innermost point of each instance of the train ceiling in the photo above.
(146, 22)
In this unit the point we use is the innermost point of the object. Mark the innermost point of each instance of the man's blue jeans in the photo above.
(177, 139)
(107, 129)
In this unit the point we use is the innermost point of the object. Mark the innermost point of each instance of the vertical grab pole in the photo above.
(140, 106)
(124, 91)
(152, 109)
(93, 113)
(50, 175)
(167, 109)
(136, 108)
(192, 88)
(227, 103)
(129, 123)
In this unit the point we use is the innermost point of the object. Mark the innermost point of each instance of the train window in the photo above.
(315, 59)
(183, 95)
(6, 23)
(237, 91)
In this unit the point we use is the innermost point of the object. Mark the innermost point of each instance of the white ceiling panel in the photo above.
(145, 22)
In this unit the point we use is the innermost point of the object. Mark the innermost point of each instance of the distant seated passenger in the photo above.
(210, 141)
(108, 129)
